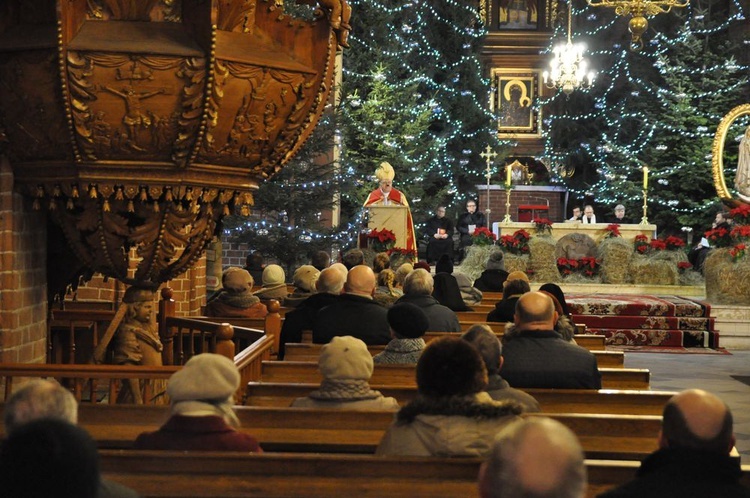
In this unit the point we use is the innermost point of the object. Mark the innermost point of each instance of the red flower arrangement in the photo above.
(674, 243)
(657, 245)
(612, 230)
(402, 251)
(641, 244)
(483, 236)
(738, 252)
(719, 237)
(542, 225)
(740, 214)
(518, 243)
(381, 240)
(740, 233)
(587, 266)
(683, 266)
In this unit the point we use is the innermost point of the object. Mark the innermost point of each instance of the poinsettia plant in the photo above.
(683, 266)
(641, 245)
(719, 237)
(674, 243)
(741, 233)
(741, 214)
(586, 266)
(542, 225)
(518, 243)
(612, 230)
(483, 236)
(381, 240)
(738, 252)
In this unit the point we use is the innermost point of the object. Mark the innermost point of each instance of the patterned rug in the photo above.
(633, 320)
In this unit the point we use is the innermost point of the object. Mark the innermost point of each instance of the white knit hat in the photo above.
(205, 376)
(305, 277)
(237, 279)
(345, 357)
(273, 275)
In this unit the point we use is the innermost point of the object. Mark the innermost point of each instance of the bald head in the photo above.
(40, 399)
(534, 457)
(361, 281)
(696, 419)
(330, 281)
(535, 311)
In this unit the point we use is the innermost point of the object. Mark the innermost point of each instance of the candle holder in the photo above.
(644, 220)
(507, 205)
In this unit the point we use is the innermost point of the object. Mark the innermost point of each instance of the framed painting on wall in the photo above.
(516, 91)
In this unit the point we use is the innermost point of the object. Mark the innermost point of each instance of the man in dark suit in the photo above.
(355, 313)
(537, 356)
(467, 223)
(439, 234)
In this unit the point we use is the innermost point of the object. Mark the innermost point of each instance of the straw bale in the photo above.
(615, 254)
(475, 261)
(726, 282)
(675, 256)
(653, 271)
(517, 262)
(542, 261)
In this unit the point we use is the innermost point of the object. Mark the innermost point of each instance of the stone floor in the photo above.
(712, 372)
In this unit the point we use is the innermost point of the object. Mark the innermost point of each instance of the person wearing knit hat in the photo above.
(386, 195)
(274, 284)
(516, 275)
(408, 324)
(236, 298)
(451, 415)
(444, 264)
(346, 366)
(202, 417)
(424, 265)
(494, 275)
(304, 279)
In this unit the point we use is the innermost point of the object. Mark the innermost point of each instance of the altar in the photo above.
(596, 231)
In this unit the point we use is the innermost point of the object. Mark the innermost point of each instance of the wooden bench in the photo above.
(311, 352)
(210, 474)
(348, 431)
(626, 402)
(400, 375)
(270, 325)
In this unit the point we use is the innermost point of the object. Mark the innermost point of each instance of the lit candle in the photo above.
(645, 178)
(508, 171)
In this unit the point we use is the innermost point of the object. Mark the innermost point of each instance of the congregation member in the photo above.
(619, 216)
(401, 273)
(537, 356)
(46, 399)
(491, 350)
(202, 417)
(537, 457)
(698, 253)
(439, 234)
(255, 264)
(470, 294)
(341, 268)
(494, 275)
(273, 284)
(424, 265)
(352, 258)
(355, 313)
(236, 298)
(564, 325)
(329, 286)
(418, 289)
(576, 214)
(381, 262)
(386, 293)
(408, 324)
(516, 285)
(303, 280)
(467, 223)
(346, 366)
(451, 414)
(556, 291)
(693, 459)
(588, 218)
(320, 260)
(49, 458)
(447, 290)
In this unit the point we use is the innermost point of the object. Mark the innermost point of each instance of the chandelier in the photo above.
(568, 67)
(638, 9)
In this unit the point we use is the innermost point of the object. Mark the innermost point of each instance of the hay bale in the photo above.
(615, 254)
(517, 262)
(691, 277)
(542, 261)
(675, 256)
(726, 282)
(476, 260)
(646, 270)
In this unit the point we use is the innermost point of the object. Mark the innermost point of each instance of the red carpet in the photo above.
(633, 320)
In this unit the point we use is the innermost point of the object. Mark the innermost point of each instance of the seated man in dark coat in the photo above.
(467, 223)
(329, 285)
(439, 234)
(355, 313)
(693, 456)
(494, 275)
(513, 288)
(418, 288)
(537, 356)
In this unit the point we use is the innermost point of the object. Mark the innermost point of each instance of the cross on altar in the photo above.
(488, 155)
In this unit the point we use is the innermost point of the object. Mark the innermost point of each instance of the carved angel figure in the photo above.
(742, 178)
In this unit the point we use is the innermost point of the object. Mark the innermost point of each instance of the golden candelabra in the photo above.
(507, 205)
(644, 220)
(639, 9)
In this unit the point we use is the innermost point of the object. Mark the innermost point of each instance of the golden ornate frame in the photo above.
(717, 151)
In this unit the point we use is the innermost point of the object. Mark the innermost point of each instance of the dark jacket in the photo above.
(499, 390)
(543, 359)
(352, 315)
(441, 318)
(207, 433)
(669, 473)
(491, 280)
(466, 219)
(303, 318)
(504, 310)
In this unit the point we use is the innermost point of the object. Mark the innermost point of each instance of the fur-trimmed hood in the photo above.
(477, 406)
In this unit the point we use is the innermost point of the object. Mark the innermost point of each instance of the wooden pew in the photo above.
(348, 431)
(399, 375)
(311, 352)
(210, 474)
(270, 325)
(626, 401)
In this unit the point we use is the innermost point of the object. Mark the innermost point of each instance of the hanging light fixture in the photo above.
(568, 67)
(639, 9)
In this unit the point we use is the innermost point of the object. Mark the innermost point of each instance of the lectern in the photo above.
(395, 218)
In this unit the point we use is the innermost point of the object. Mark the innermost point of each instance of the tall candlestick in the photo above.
(508, 172)
(645, 178)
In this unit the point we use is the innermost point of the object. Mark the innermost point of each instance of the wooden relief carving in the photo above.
(236, 15)
(129, 10)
